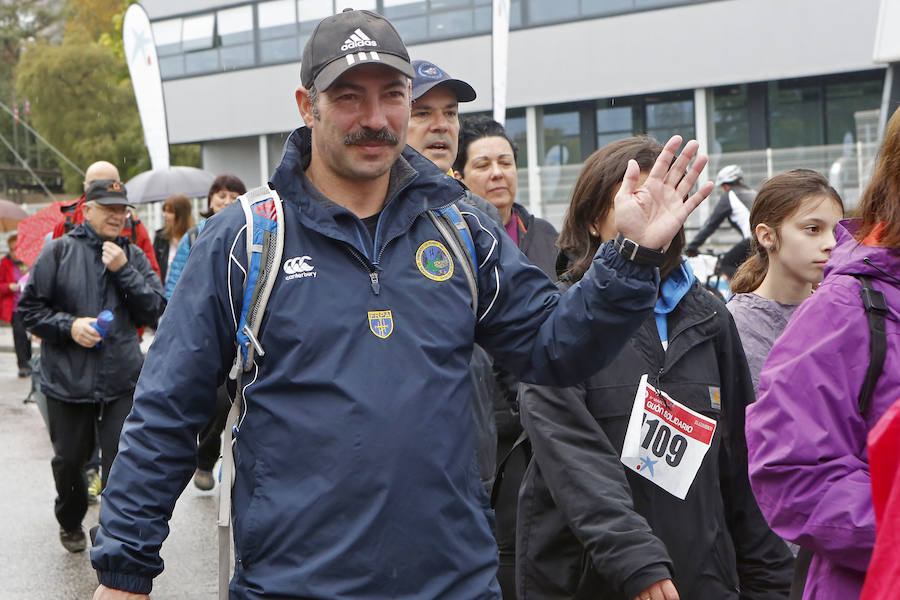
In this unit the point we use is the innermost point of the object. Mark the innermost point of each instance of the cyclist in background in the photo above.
(735, 203)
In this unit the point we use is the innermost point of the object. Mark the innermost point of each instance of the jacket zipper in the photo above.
(665, 368)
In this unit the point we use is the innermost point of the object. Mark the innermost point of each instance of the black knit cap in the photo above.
(349, 39)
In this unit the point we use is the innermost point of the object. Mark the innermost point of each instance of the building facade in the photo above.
(768, 84)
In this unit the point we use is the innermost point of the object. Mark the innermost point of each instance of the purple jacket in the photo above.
(809, 467)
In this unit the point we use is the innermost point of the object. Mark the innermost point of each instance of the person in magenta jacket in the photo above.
(806, 434)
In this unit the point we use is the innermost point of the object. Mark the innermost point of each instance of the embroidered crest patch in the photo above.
(434, 262)
(381, 323)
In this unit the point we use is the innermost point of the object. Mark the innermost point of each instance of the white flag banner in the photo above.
(140, 52)
(500, 55)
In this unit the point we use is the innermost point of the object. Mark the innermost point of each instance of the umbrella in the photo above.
(10, 215)
(33, 231)
(159, 184)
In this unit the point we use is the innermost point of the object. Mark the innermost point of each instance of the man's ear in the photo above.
(458, 175)
(305, 106)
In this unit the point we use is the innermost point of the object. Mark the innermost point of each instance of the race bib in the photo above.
(666, 441)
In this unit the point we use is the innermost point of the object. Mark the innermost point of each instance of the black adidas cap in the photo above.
(347, 40)
(107, 192)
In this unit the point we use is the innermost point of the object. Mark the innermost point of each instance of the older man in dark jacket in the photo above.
(88, 377)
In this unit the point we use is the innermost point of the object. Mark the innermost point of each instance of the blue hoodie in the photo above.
(355, 466)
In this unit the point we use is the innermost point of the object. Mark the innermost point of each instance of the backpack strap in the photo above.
(453, 227)
(264, 217)
(521, 442)
(876, 311)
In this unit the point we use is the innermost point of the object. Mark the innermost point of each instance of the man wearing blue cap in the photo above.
(434, 120)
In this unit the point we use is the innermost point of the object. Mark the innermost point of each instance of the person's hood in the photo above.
(850, 257)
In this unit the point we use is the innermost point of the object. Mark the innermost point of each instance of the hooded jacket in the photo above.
(590, 528)
(69, 280)
(355, 460)
(807, 439)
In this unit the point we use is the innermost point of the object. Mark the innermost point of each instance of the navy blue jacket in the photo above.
(355, 467)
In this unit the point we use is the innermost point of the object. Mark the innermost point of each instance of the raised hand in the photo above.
(653, 213)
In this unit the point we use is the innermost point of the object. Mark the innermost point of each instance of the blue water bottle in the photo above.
(102, 323)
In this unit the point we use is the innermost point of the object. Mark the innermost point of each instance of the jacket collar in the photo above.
(849, 257)
(416, 186)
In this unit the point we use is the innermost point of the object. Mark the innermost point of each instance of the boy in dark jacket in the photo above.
(89, 378)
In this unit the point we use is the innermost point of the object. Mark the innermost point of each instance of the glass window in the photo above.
(551, 11)
(844, 100)
(666, 117)
(171, 66)
(516, 130)
(197, 32)
(277, 18)
(404, 8)
(562, 142)
(167, 37)
(484, 19)
(450, 24)
(605, 7)
(732, 119)
(279, 50)
(340, 5)
(795, 114)
(412, 29)
(615, 120)
(234, 57)
(235, 25)
(202, 61)
(314, 10)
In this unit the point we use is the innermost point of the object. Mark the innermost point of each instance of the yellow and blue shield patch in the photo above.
(381, 323)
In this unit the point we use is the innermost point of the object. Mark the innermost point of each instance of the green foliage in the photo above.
(81, 96)
(81, 107)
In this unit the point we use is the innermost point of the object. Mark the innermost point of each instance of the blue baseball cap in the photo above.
(428, 75)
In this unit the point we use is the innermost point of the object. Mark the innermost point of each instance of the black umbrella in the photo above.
(159, 184)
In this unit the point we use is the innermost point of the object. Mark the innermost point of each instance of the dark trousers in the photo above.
(210, 443)
(21, 341)
(72, 429)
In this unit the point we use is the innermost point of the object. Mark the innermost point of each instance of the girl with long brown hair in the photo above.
(792, 233)
(602, 518)
(819, 396)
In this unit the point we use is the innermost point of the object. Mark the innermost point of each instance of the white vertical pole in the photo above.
(263, 159)
(535, 204)
(769, 165)
(499, 56)
(701, 130)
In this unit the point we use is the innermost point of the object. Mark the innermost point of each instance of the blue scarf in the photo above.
(672, 290)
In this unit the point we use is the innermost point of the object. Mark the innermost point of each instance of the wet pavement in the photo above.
(33, 564)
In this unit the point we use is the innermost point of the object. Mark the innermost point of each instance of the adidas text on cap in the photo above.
(428, 75)
(347, 40)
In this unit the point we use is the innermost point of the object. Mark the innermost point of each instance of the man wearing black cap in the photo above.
(355, 470)
(89, 377)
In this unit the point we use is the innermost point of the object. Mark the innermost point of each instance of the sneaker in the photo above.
(73, 541)
(94, 485)
(25, 372)
(204, 480)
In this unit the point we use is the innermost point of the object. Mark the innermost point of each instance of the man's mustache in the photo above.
(366, 134)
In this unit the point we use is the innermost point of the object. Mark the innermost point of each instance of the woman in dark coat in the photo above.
(486, 163)
(638, 485)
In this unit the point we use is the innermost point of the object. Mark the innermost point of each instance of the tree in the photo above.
(82, 107)
(81, 95)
